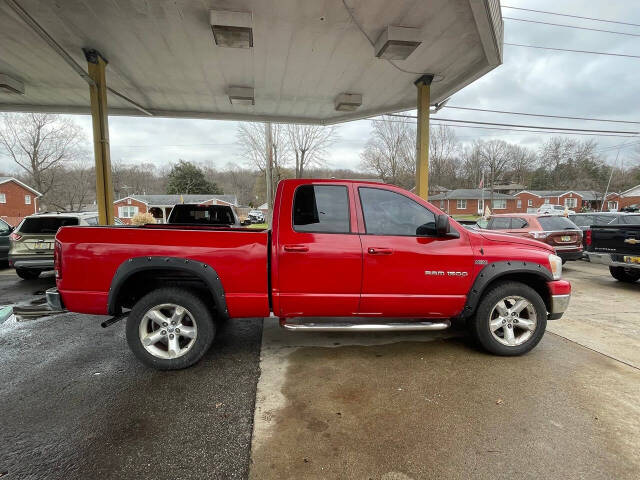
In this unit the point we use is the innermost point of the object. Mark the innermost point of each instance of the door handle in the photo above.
(296, 248)
(379, 251)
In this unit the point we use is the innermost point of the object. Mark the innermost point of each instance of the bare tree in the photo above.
(252, 141)
(309, 144)
(495, 156)
(75, 185)
(472, 166)
(38, 143)
(443, 150)
(523, 162)
(390, 152)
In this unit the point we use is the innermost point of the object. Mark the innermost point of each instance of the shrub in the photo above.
(142, 219)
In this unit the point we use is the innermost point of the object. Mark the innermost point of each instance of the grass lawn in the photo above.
(466, 217)
(258, 225)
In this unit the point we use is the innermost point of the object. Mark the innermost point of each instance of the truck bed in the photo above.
(239, 256)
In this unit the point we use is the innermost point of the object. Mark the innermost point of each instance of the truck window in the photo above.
(499, 223)
(389, 213)
(321, 209)
(629, 220)
(582, 220)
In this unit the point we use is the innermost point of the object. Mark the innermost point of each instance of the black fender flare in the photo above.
(494, 271)
(139, 264)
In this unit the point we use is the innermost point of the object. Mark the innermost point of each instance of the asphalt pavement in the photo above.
(75, 403)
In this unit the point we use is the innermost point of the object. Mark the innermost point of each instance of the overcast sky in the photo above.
(530, 80)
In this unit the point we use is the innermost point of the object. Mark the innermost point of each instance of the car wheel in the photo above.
(625, 274)
(510, 320)
(27, 274)
(170, 329)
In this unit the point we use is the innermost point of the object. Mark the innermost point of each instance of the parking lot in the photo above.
(76, 404)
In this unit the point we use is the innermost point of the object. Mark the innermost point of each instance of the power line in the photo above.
(571, 16)
(542, 115)
(575, 51)
(571, 26)
(540, 127)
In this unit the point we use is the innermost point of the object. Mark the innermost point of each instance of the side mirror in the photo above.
(443, 227)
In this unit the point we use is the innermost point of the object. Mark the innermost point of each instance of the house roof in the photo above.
(509, 186)
(24, 185)
(469, 193)
(585, 194)
(632, 192)
(185, 198)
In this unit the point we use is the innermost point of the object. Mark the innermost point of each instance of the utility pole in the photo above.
(269, 163)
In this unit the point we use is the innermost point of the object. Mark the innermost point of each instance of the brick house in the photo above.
(468, 201)
(17, 200)
(618, 201)
(577, 200)
(160, 205)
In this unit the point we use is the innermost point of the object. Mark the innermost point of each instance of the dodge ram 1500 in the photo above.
(336, 249)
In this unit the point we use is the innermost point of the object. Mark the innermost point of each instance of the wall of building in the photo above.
(128, 202)
(15, 208)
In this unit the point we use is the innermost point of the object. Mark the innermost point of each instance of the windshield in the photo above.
(550, 224)
(46, 224)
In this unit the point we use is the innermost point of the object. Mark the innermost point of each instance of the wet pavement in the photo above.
(75, 403)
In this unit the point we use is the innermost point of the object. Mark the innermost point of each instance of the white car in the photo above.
(549, 209)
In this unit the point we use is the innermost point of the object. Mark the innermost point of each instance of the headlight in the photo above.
(556, 266)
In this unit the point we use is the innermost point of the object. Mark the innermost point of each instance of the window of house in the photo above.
(3, 198)
(499, 204)
(547, 200)
(571, 202)
(461, 204)
(127, 211)
(529, 203)
(612, 205)
(519, 204)
(390, 213)
(321, 209)
(441, 204)
(27, 199)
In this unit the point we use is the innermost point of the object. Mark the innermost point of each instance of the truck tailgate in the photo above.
(90, 257)
(618, 239)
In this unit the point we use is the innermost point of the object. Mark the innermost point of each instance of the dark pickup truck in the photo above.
(618, 246)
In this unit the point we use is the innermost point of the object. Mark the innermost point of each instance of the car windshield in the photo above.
(550, 224)
(48, 225)
(202, 215)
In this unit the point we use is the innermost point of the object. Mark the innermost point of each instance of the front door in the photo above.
(318, 253)
(406, 274)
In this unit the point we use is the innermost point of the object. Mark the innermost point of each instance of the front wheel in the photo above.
(625, 274)
(170, 329)
(510, 320)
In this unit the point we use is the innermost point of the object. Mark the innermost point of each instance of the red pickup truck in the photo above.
(336, 249)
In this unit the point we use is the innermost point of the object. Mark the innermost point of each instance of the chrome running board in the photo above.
(367, 327)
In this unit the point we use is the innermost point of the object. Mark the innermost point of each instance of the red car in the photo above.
(336, 249)
(557, 231)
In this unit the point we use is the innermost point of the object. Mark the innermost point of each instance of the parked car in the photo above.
(31, 249)
(559, 232)
(549, 209)
(256, 216)
(632, 208)
(337, 248)
(585, 220)
(618, 246)
(215, 215)
(5, 231)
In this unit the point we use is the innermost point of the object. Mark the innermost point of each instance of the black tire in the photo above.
(27, 274)
(625, 274)
(201, 317)
(479, 324)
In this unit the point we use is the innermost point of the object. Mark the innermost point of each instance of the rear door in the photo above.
(405, 274)
(319, 256)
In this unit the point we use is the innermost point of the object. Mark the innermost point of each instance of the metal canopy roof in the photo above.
(162, 54)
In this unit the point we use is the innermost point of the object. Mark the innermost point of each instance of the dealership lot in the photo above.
(76, 404)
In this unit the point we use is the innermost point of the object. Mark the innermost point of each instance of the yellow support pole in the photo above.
(98, 91)
(422, 161)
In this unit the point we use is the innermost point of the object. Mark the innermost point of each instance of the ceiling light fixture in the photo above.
(231, 29)
(397, 43)
(241, 95)
(348, 102)
(9, 84)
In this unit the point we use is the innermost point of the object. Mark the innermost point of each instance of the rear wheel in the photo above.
(510, 320)
(625, 274)
(27, 274)
(170, 329)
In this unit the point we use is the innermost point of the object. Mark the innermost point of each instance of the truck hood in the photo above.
(512, 239)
